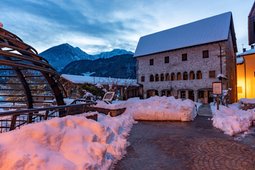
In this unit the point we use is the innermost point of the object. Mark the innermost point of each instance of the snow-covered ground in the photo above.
(72, 142)
(232, 120)
(156, 108)
(75, 142)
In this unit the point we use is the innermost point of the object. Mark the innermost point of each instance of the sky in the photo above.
(102, 25)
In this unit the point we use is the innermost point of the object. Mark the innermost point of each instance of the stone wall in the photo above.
(195, 62)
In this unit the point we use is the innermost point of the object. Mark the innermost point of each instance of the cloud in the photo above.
(100, 25)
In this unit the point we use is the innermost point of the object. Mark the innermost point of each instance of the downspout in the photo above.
(245, 77)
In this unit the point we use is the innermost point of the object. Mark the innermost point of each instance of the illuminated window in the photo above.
(239, 89)
(185, 76)
(179, 76)
(199, 75)
(191, 75)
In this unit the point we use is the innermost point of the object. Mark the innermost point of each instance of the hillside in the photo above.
(61, 55)
(121, 66)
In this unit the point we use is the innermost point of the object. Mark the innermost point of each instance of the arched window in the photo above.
(191, 75)
(162, 77)
(142, 78)
(179, 76)
(156, 77)
(167, 77)
(185, 76)
(199, 75)
(172, 76)
(151, 78)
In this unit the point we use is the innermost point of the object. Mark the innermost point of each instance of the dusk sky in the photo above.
(103, 25)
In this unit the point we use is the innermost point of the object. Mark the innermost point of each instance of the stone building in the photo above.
(123, 88)
(184, 61)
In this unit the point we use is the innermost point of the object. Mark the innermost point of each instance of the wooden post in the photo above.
(13, 122)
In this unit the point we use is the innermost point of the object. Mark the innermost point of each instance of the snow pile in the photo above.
(248, 101)
(157, 108)
(232, 120)
(72, 142)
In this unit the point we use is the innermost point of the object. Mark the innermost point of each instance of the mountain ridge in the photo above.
(61, 55)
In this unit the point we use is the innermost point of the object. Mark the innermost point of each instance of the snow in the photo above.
(247, 101)
(99, 80)
(75, 142)
(72, 142)
(248, 52)
(156, 108)
(221, 76)
(208, 30)
(239, 60)
(232, 120)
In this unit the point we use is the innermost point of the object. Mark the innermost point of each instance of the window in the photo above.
(151, 62)
(254, 73)
(151, 78)
(183, 94)
(156, 77)
(162, 77)
(212, 74)
(142, 79)
(185, 76)
(199, 75)
(184, 57)
(205, 54)
(191, 75)
(167, 59)
(167, 77)
(172, 76)
(179, 76)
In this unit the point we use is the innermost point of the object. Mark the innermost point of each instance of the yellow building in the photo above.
(246, 74)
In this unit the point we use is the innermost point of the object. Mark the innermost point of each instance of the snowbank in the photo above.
(232, 120)
(249, 101)
(72, 142)
(156, 108)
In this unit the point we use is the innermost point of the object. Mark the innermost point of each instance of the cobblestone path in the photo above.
(186, 145)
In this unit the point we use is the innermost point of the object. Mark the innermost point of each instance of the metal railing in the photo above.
(11, 120)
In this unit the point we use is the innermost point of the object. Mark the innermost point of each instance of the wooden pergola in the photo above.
(26, 79)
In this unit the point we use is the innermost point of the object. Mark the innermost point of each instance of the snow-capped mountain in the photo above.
(61, 55)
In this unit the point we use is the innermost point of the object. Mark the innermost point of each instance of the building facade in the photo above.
(183, 62)
(246, 74)
(123, 88)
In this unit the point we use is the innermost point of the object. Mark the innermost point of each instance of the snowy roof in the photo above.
(239, 60)
(204, 31)
(248, 52)
(99, 80)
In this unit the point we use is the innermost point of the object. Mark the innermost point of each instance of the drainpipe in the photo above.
(245, 77)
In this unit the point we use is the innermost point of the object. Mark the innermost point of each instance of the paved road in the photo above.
(186, 145)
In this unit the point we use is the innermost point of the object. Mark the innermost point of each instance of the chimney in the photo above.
(244, 49)
(1, 25)
(252, 46)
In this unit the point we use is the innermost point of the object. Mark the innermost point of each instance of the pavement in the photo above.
(186, 145)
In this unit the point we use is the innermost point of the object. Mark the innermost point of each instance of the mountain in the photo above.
(120, 66)
(61, 55)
